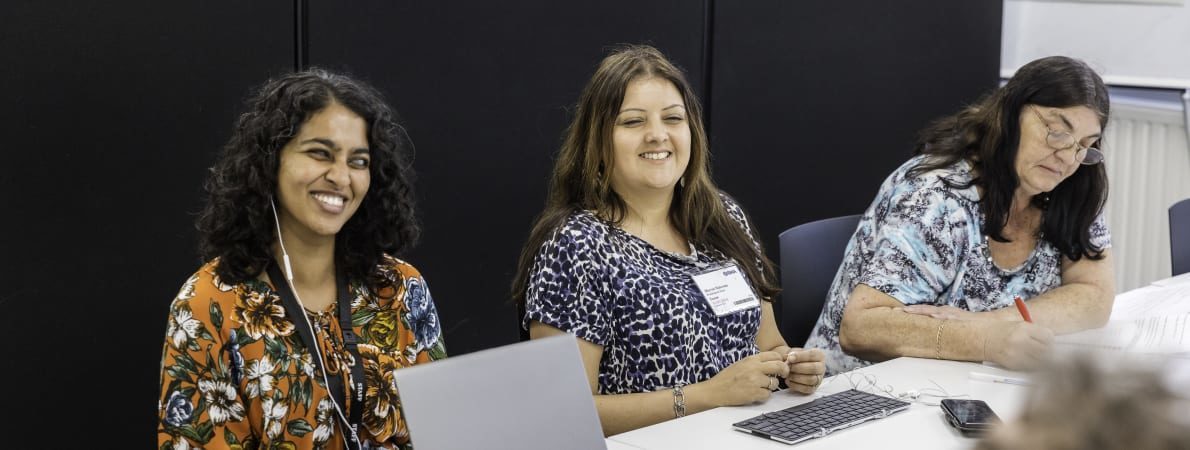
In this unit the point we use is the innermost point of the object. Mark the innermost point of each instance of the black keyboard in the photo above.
(821, 417)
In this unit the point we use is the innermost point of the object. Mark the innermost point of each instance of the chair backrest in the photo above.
(1179, 236)
(810, 256)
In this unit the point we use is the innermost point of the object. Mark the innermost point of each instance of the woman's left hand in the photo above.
(806, 369)
(945, 312)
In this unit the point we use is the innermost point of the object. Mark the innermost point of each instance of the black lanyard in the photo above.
(295, 311)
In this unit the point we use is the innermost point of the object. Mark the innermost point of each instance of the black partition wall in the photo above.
(814, 103)
(486, 91)
(113, 112)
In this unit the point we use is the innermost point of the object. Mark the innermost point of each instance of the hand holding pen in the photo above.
(1017, 345)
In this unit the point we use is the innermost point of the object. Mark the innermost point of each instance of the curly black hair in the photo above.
(236, 224)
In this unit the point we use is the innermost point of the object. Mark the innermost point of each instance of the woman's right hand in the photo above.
(748, 380)
(1017, 345)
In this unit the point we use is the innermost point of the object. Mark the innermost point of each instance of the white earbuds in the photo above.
(350, 430)
(284, 254)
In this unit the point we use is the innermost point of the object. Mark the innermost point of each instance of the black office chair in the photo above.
(1179, 236)
(810, 255)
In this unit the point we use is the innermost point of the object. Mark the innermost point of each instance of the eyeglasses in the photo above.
(1060, 140)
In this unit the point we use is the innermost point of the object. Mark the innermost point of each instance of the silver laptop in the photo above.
(531, 395)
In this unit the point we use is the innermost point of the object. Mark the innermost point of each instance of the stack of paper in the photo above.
(1156, 300)
(1152, 319)
(1145, 335)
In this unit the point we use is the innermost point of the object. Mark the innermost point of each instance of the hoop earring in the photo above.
(682, 181)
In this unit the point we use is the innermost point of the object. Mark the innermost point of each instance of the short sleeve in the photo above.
(736, 212)
(421, 315)
(917, 247)
(1100, 235)
(562, 291)
(200, 403)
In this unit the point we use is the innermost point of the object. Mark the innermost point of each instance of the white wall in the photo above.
(1128, 44)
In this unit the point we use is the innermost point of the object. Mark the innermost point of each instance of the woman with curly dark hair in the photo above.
(290, 332)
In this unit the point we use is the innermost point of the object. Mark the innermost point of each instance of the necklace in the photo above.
(985, 246)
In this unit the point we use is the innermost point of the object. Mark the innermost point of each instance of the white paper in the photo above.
(1152, 301)
(1151, 319)
(1180, 279)
(1165, 334)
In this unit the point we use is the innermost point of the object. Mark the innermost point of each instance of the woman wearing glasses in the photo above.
(1003, 200)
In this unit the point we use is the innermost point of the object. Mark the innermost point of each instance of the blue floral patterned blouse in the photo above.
(611, 288)
(921, 242)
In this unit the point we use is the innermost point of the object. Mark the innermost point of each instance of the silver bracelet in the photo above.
(679, 402)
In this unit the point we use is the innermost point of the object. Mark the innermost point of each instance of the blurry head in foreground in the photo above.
(1078, 404)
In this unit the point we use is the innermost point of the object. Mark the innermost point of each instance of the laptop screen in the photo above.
(530, 395)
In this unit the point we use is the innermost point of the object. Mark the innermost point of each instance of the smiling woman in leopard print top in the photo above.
(632, 218)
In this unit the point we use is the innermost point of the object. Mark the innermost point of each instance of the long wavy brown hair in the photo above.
(581, 179)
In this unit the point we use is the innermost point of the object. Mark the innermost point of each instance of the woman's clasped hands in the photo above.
(753, 379)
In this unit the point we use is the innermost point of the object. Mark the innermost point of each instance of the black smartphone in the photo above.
(969, 416)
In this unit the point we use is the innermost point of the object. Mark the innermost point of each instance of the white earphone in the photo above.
(317, 350)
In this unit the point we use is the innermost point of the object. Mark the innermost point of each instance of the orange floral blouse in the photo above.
(235, 375)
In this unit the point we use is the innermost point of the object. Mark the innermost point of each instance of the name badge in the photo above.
(726, 290)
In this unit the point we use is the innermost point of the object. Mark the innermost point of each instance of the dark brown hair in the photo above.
(581, 177)
(987, 134)
(236, 223)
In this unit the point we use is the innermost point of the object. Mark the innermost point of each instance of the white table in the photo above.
(921, 427)
(613, 444)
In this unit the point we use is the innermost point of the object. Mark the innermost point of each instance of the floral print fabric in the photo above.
(921, 242)
(235, 374)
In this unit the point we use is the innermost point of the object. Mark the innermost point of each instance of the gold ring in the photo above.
(773, 383)
(820, 377)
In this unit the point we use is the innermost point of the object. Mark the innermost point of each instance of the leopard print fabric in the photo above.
(639, 303)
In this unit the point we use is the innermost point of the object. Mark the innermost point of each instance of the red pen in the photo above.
(1020, 306)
